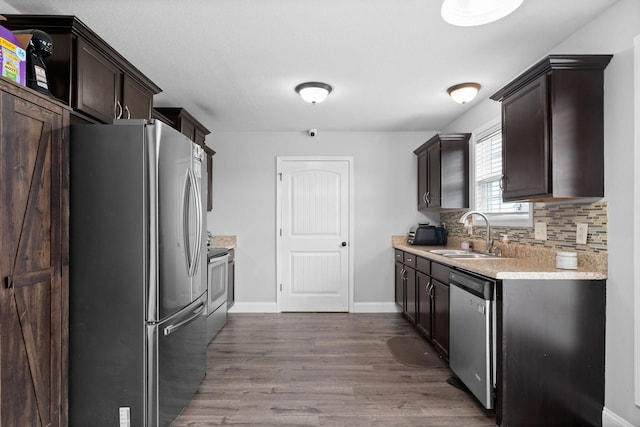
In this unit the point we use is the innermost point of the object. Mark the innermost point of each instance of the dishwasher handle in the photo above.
(479, 286)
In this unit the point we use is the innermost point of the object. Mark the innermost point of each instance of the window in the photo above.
(487, 149)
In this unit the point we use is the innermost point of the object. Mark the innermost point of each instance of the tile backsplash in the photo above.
(561, 222)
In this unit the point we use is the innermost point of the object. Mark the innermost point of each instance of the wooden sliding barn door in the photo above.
(33, 248)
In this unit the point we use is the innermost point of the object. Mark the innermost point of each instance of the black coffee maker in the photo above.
(40, 46)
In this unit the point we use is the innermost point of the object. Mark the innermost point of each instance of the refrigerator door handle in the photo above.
(195, 313)
(199, 222)
(191, 255)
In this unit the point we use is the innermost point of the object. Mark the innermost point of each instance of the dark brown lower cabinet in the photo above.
(440, 328)
(34, 261)
(425, 312)
(551, 348)
(231, 279)
(399, 285)
(410, 292)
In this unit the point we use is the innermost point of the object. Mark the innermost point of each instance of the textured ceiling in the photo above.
(234, 63)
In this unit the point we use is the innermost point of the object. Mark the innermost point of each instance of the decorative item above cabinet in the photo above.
(553, 130)
(87, 74)
(443, 172)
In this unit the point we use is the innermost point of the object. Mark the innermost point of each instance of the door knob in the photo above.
(343, 244)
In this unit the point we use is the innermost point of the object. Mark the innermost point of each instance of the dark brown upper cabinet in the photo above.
(553, 131)
(443, 172)
(87, 74)
(182, 120)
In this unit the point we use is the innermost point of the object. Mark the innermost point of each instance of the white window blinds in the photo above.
(488, 168)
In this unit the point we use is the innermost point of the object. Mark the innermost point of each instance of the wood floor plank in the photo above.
(322, 369)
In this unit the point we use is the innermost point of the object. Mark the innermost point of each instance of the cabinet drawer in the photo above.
(399, 255)
(410, 259)
(424, 265)
(440, 272)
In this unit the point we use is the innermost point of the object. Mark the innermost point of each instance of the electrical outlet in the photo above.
(581, 233)
(541, 231)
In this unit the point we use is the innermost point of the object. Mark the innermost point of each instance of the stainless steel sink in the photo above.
(474, 255)
(462, 254)
(448, 252)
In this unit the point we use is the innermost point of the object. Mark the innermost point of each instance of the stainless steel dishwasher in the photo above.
(471, 347)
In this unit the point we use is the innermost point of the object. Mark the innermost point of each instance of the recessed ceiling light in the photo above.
(469, 13)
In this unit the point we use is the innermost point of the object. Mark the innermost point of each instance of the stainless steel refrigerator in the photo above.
(137, 274)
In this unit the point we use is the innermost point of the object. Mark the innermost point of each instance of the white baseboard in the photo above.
(375, 307)
(610, 419)
(271, 307)
(254, 307)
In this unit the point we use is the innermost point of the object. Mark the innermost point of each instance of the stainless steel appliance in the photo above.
(138, 280)
(472, 338)
(218, 262)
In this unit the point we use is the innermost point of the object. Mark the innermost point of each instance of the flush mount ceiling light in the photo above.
(469, 13)
(313, 92)
(464, 92)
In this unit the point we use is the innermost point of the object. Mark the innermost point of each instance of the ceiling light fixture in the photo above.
(469, 13)
(313, 92)
(463, 92)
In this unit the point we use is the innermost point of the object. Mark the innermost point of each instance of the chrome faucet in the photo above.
(489, 242)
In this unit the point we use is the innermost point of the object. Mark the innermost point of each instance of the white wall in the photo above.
(245, 204)
(611, 33)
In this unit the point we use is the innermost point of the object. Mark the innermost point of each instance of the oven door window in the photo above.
(217, 280)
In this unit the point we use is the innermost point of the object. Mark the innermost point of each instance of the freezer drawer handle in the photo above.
(196, 312)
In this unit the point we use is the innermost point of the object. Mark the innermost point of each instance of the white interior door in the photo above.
(314, 234)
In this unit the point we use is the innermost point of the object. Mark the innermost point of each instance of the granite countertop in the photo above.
(532, 267)
(227, 242)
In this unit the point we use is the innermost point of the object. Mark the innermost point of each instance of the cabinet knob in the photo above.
(343, 244)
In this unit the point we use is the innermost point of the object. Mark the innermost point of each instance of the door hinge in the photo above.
(281, 232)
(280, 176)
(280, 287)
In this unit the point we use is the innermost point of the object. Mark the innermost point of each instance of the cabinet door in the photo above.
(98, 84)
(433, 189)
(410, 292)
(136, 101)
(441, 317)
(399, 293)
(422, 179)
(32, 239)
(525, 139)
(423, 285)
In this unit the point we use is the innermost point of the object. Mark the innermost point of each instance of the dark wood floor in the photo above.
(322, 370)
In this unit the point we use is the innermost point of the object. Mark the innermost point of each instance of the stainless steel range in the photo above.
(217, 275)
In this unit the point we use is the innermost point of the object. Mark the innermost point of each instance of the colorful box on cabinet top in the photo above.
(13, 57)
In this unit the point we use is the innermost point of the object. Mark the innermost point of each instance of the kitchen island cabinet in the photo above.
(553, 130)
(443, 172)
(87, 74)
(34, 266)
